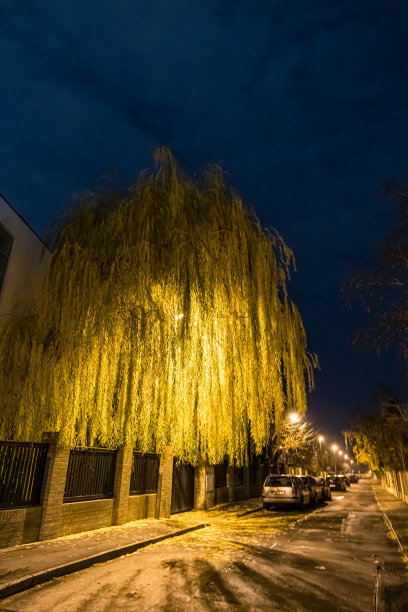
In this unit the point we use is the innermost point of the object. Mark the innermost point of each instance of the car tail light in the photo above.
(263, 490)
(293, 491)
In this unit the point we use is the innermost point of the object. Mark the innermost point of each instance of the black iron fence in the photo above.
(220, 474)
(90, 475)
(182, 493)
(253, 472)
(22, 466)
(145, 473)
(238, 476)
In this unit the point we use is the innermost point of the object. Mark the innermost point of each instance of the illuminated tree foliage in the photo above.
(296, 436)
(381, 439)
(164, 320)
(297, 440)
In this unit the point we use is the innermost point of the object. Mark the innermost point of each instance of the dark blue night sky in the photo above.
(304, 104)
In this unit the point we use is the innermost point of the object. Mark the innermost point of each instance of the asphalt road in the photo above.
(338, 557)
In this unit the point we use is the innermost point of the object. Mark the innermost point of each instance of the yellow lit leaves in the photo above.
(164, 320)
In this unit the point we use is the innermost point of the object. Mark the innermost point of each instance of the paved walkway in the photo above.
(24, 566)
(396, 515)
(334, 558)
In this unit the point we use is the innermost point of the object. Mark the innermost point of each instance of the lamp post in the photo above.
(334, 448)
(321, 438)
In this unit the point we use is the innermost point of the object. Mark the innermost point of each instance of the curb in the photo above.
(28, 582)
(391, 529)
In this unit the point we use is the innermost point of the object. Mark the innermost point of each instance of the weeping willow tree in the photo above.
(164, 320)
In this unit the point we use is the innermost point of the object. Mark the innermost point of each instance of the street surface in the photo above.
(339, 557)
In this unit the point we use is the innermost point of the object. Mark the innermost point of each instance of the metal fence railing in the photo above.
(145, 473)
(253, 472)
(220, 475)
(22, 466)
(238, 476)
(90, 475)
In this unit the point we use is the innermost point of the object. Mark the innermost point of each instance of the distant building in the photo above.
(24, 261)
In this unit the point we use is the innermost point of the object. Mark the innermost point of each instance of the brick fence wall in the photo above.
(20, 526)
(54, 518)
(85, 515)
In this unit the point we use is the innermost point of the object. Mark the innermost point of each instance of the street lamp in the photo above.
(334, 448)
(320, 438)
(294, 417)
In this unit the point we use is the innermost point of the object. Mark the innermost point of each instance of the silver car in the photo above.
(284, 490)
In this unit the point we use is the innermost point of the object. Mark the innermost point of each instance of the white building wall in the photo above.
(27, 264)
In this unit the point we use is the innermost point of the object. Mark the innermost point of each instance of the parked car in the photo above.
(354, 478)
(284, 490)
(337, 482)
(316, 491)
(323, 482)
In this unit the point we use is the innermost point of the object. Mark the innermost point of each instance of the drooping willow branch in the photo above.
(164, 320)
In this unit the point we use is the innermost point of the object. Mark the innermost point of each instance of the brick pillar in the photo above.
(163, 506)
(210, 486)
(199, 486)
(121, 485)
(230, 482)
(55, 476)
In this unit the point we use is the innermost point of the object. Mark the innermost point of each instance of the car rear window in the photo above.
(278, 481)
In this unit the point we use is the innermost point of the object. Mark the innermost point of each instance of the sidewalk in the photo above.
(24, 566)
(396, 514)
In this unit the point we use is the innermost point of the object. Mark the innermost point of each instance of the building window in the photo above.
(6, 242)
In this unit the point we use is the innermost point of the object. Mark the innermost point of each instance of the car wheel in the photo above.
(267, 506)
(302, 502)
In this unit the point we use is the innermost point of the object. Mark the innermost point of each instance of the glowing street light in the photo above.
(346, 456)
(321, 438)
(334, 448)
(294, 417)
(340, 453)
